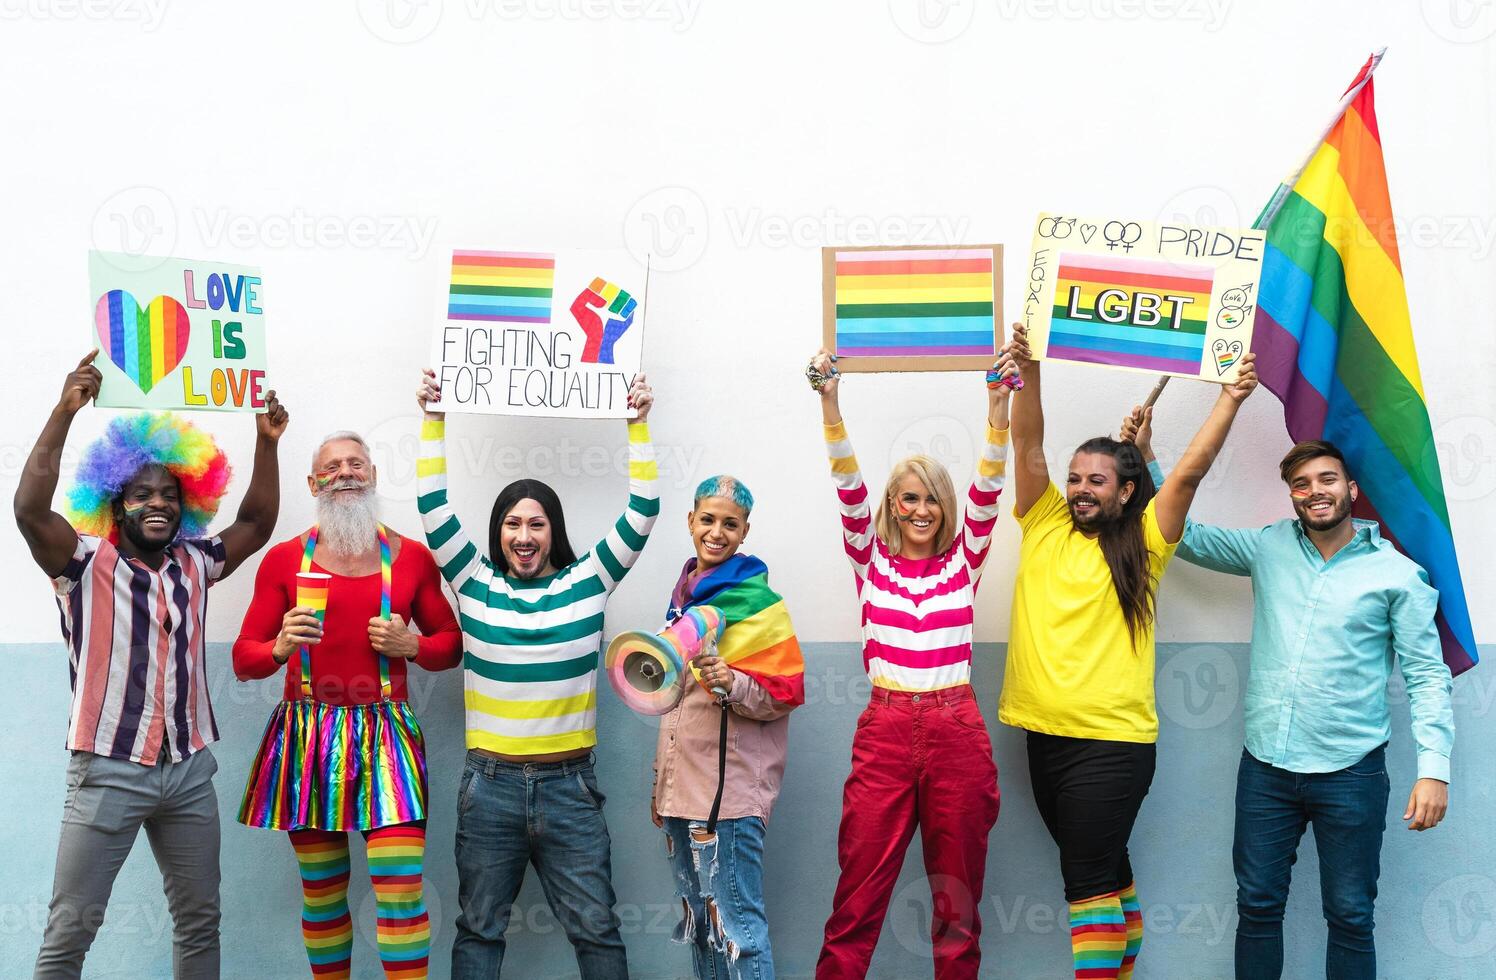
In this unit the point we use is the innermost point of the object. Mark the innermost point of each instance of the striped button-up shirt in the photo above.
(135, 649)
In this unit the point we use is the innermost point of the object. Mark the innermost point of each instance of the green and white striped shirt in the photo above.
(530, 646)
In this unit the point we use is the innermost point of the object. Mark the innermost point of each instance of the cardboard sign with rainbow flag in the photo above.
(183, 334)
(912, 307)
(541, 333)
(1159, 297)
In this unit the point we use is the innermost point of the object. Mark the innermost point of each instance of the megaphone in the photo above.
(648, 670)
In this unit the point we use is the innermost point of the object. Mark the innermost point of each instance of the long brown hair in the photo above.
(1122, 542)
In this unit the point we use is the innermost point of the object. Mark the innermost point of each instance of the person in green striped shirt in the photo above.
(532, 627)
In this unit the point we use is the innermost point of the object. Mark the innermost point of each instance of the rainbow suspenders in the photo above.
(386, 575)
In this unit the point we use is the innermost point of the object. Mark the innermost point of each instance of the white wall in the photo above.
(736, 138)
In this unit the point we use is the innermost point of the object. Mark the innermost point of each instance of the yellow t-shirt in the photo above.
(1072, 669)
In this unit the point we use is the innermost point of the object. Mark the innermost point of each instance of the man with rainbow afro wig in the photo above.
(131, 565)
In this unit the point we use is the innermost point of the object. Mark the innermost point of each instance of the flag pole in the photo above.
(1286, 186)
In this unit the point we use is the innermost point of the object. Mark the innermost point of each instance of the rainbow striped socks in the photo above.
(326, 928)
(404, 930)
(1133, 913)
(1098, 937)
(396, 855)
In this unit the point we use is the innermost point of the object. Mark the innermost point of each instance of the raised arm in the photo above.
(456, 555)
(260, 508)
(1030, 469)
(616, 553)
(1178, 492)
(987, 487)
(1220, 549)
(48, 534)
(851, 492)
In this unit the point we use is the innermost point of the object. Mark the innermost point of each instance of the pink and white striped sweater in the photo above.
(917, 613)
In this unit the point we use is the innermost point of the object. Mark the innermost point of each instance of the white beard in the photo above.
(347, 524)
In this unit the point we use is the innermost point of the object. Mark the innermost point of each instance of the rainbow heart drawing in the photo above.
(1226, 354)
(146, 343)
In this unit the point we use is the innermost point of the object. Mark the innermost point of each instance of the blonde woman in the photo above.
(921, 757)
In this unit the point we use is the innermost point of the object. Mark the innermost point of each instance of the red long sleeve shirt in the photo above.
(345, 668)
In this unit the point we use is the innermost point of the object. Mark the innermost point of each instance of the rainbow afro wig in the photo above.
(134, 442)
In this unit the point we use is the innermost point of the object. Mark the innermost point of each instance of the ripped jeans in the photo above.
(721, 886)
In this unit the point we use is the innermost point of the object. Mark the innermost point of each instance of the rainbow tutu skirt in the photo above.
(337, 767)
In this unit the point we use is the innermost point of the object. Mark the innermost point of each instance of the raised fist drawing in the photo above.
(619, 307)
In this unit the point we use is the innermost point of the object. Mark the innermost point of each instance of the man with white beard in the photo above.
(343, 751)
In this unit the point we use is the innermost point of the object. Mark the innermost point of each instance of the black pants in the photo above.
(1088, 791)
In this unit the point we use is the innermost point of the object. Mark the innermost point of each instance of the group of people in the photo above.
(1337, 611)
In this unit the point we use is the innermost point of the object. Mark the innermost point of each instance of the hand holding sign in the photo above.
(602, 336)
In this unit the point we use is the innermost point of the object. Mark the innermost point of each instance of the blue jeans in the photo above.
(546, 814)
(1348, 809)
(721, 887)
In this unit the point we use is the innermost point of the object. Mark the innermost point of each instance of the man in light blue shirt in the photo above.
(1334, 604)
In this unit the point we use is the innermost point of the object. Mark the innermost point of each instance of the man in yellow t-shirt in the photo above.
(1079, 676)
(1064, 600)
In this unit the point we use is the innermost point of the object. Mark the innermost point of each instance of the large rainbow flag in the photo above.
(758, 637)
(1334, 343)
(503, 287)
(914, 302)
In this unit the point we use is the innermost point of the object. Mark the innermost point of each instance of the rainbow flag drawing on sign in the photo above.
(1334, 342)
(914, 302)
(1130, 312)
(511, 287)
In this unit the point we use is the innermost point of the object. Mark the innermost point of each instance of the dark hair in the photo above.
(1122, 542)
(561, 553)
(1303, 452)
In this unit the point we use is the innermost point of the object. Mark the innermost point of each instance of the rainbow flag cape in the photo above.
(758, 637)
(1334, 343)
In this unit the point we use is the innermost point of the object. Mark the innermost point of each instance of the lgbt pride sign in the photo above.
(177, 333)
(1164, 298)
(541, 333)
(913, 307)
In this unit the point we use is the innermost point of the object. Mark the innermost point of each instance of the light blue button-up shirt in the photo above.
(1324, 635)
